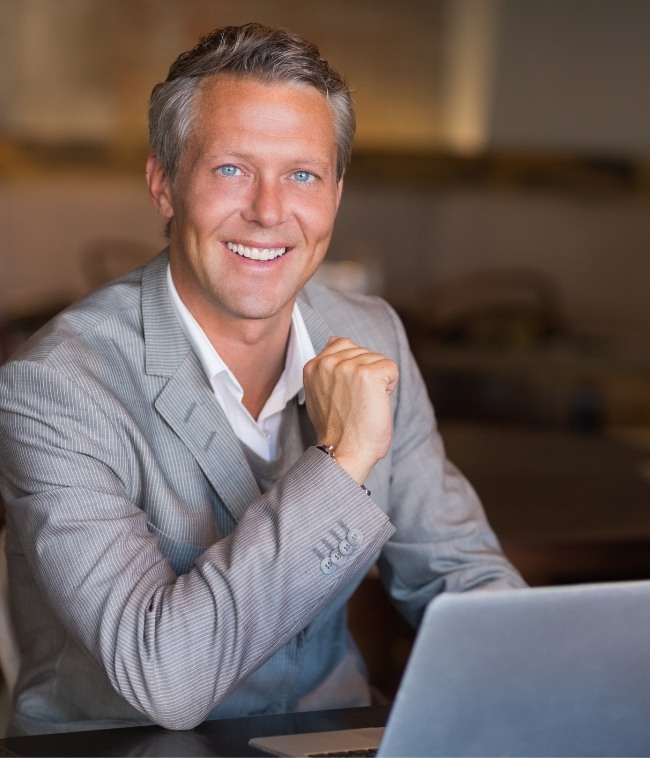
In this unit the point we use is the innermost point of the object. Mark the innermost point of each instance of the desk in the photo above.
(225, 737)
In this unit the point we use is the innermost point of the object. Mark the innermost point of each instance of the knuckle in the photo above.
(329, 361)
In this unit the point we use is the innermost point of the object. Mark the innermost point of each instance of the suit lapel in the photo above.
(319, 330)
(187, 402)
(188, 405)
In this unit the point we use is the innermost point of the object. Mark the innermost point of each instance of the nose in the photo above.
(265, 205)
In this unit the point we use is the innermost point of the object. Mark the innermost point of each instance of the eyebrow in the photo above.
(228, 156)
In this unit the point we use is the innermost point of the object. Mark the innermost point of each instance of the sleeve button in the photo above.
(354, 537)
(346, 547)
(326, 565)
(337, 557)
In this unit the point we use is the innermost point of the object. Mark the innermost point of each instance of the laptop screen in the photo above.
(532, 672)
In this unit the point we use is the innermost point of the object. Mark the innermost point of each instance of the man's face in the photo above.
(254, 200)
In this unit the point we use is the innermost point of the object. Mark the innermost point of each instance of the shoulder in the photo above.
(367, 319)
(113, 309)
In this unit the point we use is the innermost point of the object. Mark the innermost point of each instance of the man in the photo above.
(186, 520)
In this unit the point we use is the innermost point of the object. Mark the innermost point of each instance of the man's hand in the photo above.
(347, 391)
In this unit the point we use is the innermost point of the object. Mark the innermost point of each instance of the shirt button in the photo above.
(345, 547)
(326, 565)
(354, 537)
(337, 557)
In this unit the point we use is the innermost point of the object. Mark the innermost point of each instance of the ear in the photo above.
(339, 192)
(159, 187)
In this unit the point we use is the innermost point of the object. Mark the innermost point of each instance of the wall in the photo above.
(82, 70)
(571, 75)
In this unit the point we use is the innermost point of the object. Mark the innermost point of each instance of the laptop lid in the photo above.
(551, 671)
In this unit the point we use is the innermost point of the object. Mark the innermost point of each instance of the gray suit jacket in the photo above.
(150, 579)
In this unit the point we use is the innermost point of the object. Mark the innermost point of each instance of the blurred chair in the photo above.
(103, 259)
(18, 324)
(106, 258)
(509, 307)
(479, 340)
(9, 653)
(383, 637)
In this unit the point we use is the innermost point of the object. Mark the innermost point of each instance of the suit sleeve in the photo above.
(442, 541)
(172, 646)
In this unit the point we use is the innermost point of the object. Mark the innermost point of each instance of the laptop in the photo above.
(547, 671)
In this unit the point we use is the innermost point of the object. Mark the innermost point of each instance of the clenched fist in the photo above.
(347, 391)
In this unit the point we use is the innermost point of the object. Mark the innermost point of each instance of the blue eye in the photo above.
(228, 170)
(303, 176)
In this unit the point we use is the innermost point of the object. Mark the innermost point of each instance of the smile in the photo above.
(255, 253)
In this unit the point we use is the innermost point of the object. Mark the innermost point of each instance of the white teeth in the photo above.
(265, 254)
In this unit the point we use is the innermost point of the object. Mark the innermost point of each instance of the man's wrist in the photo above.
(329, 451)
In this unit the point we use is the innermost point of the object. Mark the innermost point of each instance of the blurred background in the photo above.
(498, 195)
(499, 198)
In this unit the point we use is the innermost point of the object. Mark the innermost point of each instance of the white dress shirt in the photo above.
(259, 435)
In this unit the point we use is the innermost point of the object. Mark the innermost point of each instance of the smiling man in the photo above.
(201, 460)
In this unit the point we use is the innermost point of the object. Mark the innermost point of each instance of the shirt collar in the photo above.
(300, 350)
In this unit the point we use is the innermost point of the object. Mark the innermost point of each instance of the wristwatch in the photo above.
(329, 450)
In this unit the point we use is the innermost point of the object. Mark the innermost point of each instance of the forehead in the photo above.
(233, 105)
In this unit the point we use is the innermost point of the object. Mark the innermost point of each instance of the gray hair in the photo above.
(265, 53)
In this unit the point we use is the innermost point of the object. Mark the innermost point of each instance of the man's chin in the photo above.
(261, 311)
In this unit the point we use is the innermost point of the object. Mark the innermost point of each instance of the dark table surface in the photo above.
(226, 737)
(567, 507)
